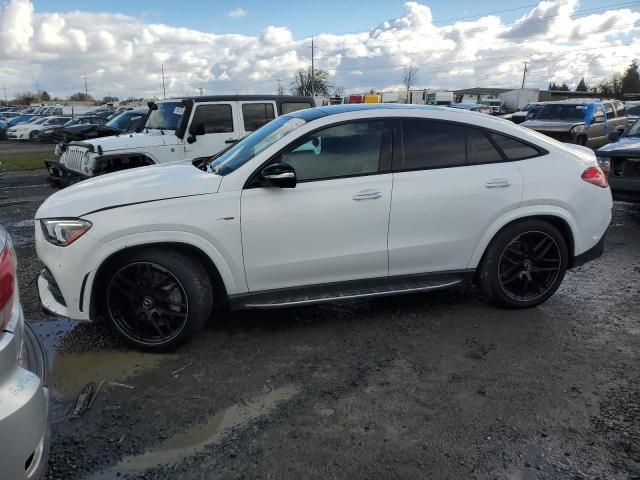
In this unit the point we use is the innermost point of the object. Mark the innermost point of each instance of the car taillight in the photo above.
(7, 280)
(595, 176)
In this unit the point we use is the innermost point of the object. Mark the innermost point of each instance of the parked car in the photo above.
(473, 107)
(21, 119)
(190, 127)
(633, 111)
(87, 128)
(301, 211)
(583, 122)
(33, 130)
(24, 396)
(528, 112)
(620, 160)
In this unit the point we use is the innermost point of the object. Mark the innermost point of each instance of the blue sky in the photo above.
(330, 16)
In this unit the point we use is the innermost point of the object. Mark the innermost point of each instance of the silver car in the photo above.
(585, 122)
(24, 397)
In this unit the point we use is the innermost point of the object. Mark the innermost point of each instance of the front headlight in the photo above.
(64, 231)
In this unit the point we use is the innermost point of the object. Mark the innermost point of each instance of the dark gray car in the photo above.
(583, 122)
(621, 162)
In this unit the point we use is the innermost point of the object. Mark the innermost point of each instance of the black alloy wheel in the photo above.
(529, 266)
(147, 303)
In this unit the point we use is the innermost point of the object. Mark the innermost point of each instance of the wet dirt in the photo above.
(438, 385)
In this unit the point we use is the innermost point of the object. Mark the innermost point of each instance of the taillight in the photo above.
(7, 281)
(595, 176)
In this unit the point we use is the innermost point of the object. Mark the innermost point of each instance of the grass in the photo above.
(20, 162)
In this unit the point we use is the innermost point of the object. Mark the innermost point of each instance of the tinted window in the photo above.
(513, 149)
(432, 144)
(340, 151)
(608, 108)
(215, 118)
(294, 107)
(480, 149)
(256, 115)
(635, 110)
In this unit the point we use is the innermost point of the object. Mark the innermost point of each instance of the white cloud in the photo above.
(122, 55)
(237, 13)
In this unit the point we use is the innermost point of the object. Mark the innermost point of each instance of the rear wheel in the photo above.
(524, 265)
(34, 136)
(157, 299)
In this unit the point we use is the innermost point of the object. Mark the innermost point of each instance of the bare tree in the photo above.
(410, 76)
(302, 83)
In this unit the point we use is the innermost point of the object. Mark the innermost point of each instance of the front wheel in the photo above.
(157, 299)
(34, 136)
(524, 264)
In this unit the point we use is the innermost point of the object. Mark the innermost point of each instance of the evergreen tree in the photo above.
(582, 86)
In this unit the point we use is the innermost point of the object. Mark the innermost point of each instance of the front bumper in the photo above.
(24, 404)
(60, 176)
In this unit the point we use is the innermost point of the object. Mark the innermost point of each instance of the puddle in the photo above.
(71, 371)
(196, 438)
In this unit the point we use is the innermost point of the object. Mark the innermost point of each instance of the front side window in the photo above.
(125, 120)
(339, 151)
(216, 118)
(480, 149)
(513, 149)
(621, 111)
(429, 144)
(256, 115)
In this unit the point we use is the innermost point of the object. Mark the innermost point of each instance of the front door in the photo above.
(448, 188)
(333, 225)
(219, 127)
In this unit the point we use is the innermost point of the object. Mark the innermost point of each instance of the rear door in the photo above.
(450, 183)
(219, 124)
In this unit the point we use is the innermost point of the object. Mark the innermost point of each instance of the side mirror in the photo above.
(280, 175)
(195, 129)
(615, 136)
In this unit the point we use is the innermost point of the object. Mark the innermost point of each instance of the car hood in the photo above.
(139, 185)
(625, 145)
(550, 125)
(127, 141)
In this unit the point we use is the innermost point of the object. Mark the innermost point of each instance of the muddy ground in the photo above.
(436, 385)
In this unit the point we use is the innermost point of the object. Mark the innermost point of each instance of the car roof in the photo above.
(319, 112)
(230, 98)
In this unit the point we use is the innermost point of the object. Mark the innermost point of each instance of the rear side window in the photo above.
(432, 144)
(255, 115)
(608, 110)
(215, 118)
(621, 111)
(288, 107)
(480, 149)
(513, 149)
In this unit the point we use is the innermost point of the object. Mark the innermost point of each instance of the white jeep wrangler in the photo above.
(177, 129)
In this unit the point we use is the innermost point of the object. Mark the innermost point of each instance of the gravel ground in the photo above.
(436, 385)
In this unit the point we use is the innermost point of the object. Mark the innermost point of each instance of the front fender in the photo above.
(517, 214)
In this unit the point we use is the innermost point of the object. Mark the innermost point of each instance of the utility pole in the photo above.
(164, 92)
(313, 71)
(201, 90)
(37, 90)
(524, 74)
(86, 90)
(5, 94)
(280, 89)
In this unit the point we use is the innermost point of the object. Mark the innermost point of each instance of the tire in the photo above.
(34, 136)
(157, 299)
(581, 140)
(523, 281)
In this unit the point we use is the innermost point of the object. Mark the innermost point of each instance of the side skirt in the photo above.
(331, 292)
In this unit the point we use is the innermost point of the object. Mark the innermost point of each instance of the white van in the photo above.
(191, 127)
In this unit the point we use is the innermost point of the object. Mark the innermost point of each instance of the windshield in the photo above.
(253, 144)
(167, 116)
(567, 113)
(125, 120)
(633, 130)
(39, 121)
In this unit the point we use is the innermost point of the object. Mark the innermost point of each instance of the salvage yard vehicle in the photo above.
(24, 396)
(473, 107)
(329, 203)
(583, 122)
(176, 129)
(33, 130)
(620, 160)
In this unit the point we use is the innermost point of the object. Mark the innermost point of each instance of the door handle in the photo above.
(498, 183)
(367, 195)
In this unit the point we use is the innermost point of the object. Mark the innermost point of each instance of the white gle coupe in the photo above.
(324, 204)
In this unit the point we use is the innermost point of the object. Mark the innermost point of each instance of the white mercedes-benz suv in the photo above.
(324, 204)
